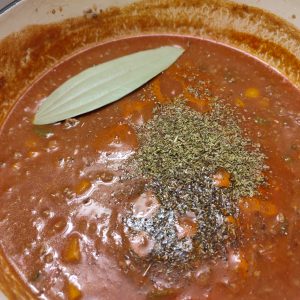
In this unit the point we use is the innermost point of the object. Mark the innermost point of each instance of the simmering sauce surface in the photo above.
(62, 200)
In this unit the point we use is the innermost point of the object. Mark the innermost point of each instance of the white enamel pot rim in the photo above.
(27, 12)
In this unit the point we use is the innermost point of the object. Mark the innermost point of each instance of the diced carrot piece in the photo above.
(240, 103)
(71, 252)
(221, 178)
(252, 204)
(231, 220)
(83, 186)
(240, 264)
(252, 93)
(73, 292)
(264, 102)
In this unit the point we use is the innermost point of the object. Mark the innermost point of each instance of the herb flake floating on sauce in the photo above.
(105, 83)
(198, 166)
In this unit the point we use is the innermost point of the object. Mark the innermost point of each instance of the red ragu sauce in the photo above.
(63, 198)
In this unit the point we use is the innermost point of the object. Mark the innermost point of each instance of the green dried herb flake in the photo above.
(180, 151)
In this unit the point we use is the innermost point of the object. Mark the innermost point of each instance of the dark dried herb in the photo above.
(180, 151)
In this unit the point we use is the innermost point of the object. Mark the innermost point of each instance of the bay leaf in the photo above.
(103, 84)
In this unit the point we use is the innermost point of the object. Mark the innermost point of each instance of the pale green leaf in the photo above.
(105, 83)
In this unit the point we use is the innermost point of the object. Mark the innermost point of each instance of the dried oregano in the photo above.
(180, 152)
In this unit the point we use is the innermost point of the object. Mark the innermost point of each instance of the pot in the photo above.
(278, 27)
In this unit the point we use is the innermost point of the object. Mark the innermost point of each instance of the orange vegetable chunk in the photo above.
(83, 186)
(252, 93)
(252, 204)
(221, 178)
(71, 252)
(73, 291)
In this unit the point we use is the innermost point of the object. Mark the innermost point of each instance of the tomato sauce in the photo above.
(61, 200)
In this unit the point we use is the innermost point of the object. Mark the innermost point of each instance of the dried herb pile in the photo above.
(180, 151)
